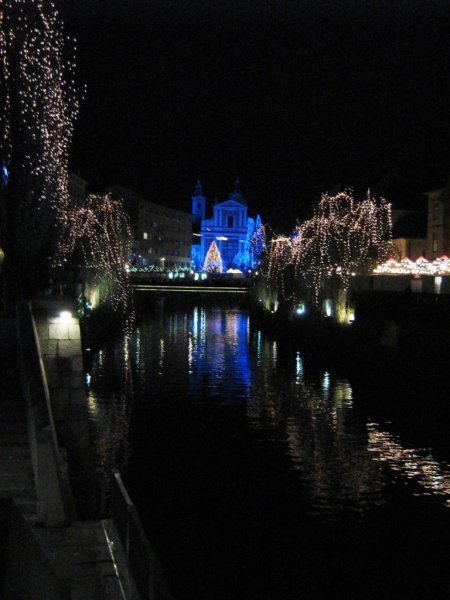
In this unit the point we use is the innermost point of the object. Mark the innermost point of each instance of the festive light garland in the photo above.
(405, 266)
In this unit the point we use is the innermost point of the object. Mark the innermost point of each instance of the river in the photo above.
(260, 473)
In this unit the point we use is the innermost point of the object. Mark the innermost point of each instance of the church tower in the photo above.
(198, 204)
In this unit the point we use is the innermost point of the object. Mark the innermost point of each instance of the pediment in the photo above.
(230, 204)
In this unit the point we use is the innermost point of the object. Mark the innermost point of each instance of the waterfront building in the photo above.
(161, 235)
(230, 227)
(409, 233)
(438, 230)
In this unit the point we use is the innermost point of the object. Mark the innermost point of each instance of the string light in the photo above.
(405, 266)
(213, 260)
(39, 88)
(40, 104)
(342, 238)
(99, 230)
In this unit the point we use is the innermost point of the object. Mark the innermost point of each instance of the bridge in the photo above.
(191, 288)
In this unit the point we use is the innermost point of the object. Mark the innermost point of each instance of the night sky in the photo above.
(292, 96)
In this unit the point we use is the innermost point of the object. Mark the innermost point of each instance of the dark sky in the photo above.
(292, 96)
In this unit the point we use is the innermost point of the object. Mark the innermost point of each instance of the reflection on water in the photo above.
(417, 465)
(109, 403)
(327, 447)
(210, 355)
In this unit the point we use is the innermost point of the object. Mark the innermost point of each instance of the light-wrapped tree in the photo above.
(38, 109)
(343, 237)
(213, 260)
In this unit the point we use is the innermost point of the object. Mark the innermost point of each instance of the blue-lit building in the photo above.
(230, 227)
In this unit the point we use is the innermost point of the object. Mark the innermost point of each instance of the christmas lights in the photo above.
(99, 232)
(213, 260)
(343, 237)
(405, 266)
(38, 107)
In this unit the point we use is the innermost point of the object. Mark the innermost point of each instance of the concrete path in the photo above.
(86, 555)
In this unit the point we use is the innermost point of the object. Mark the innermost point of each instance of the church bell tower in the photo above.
(198, 204)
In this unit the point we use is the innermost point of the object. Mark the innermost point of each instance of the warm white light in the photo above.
(65, 315)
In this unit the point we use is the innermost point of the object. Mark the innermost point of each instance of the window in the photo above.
(230, 221)
(145, 235)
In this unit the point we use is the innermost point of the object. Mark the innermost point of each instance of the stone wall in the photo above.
(59, 336)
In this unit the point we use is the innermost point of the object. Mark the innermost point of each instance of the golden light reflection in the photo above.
(190, 354)
(138, 351)
(274, 353)
(92, 405)
(325, 445)
(161, 355)
(298, 368)
(414, 464)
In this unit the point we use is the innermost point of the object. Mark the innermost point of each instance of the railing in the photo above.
(142, 562)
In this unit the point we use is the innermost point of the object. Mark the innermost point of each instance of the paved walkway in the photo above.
(86, 556)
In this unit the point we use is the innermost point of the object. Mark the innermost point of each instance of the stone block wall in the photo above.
(60, 344)
(59, 335)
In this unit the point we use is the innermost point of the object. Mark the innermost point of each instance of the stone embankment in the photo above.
(403, 334)
(53, 546)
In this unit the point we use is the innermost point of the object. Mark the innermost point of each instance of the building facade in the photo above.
(77, 189)
(161, 235)
(229, 227)
(438, 228)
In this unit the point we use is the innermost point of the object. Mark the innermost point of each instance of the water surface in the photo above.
(261, 473)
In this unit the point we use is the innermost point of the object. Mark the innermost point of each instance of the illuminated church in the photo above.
(230, 227)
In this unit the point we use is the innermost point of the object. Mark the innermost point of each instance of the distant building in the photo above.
(438, 230)
(409, 233)
(161, 235)
(77, 188)
(230, 227)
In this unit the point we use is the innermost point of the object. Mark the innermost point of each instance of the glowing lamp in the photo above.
(65, 315)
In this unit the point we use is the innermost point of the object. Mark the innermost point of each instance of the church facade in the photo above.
(229, 227)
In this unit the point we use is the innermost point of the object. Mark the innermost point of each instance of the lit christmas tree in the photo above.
(213, 260)
(258, 243)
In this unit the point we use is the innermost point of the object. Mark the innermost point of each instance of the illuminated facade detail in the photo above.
(230, 228)
(161, 236)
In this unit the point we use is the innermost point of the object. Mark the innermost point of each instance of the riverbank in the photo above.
(401, 334)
